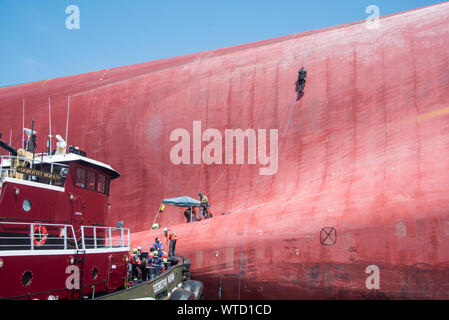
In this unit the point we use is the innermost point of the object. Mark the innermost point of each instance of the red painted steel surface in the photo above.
(365, 152)
(42, 285)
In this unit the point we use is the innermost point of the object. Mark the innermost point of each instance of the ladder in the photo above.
(79, 259)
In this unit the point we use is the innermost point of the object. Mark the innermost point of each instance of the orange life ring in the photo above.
(43, 232)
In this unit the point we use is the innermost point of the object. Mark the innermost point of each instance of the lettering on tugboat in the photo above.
(158, 286)
(171, 278)
(39, 173)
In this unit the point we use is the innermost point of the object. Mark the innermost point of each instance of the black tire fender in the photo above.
(196, 287)
(181, 294)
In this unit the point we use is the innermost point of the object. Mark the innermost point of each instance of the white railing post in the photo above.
(82, 238)
(122, 238)
(128, 239)
(31, 236)
(110, 237)
(51, 170)
(95, 237)
(74, 237)
(65, 237)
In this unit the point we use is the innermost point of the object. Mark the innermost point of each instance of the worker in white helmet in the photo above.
(170, 236)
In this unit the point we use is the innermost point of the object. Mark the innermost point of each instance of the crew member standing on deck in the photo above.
(157, 263)
(158, 244)
(204, 205)
(170, 236)
(135, 261)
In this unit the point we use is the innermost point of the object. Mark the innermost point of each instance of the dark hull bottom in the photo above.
(332, 281)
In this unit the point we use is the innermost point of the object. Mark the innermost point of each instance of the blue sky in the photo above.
(36, 45)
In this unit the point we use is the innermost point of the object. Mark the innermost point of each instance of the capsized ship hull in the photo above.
(362, 178)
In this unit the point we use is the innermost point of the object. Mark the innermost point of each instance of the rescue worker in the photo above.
(138, 263)
(170, 236)
(155, 226)
(135, 261)
(157, 263)
(157, 245)
(151, 272)
(131, 264)
(301, 83)
(204, 205)
(144, 257)
(194, 215)
(188, 215)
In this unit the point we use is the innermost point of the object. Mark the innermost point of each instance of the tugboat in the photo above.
(173, 284)
(54, 241)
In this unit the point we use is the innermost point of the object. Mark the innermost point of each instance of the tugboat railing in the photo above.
(36, 236)
(46, 236)
(94, 237)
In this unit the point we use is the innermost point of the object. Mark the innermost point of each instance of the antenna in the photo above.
(49, 124)
(33, 141)
(23, 122)
(67, 125)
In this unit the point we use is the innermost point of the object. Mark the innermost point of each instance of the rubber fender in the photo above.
(196, 287)
(181, 294)
(174, 261)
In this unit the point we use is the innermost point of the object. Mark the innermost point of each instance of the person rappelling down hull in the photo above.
(301, 83)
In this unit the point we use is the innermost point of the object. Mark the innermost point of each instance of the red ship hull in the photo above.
(363, 156)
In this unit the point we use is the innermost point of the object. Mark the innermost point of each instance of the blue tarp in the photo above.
(183, 202)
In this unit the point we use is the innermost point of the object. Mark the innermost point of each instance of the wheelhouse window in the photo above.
(101, 184)
(91, 177)
(80, 177)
